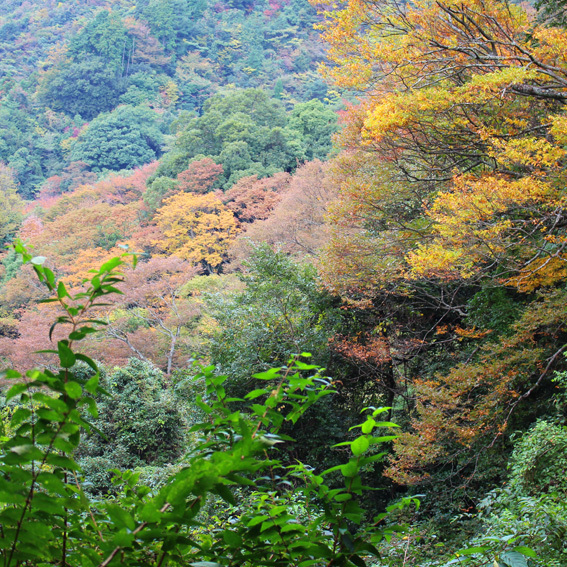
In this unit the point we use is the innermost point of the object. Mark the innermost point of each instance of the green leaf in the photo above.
(67, 357)
(349, 470)
(63, 462)
(91, 384)
(471, 550)
(225, 493)
(150, 512)
(527, 551)
(88, 361)
(74, 390)
(358, 561)
(386, 424)
(50, 481)
(62, 291)
(270, 374)
(49, 504)
(383, 439)
(513, 559)
(92, 407)
(120, 517)
(20, 415)
(368, 426)
(255, 394)
(359, 446)
(123, 539)
(343, 497)
(110, 265)
(50, 276)
(15, 390)
(303, 366)
(256, 520)
(81, 333)
(38, 260)
(232, 539)
(10, 374)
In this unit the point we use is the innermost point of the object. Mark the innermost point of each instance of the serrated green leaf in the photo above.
(513, 559)
(231, 539)
(15, 390)
(368, 426)
(91, 384)
(527, 551)
(10, 374)
(110, 265)
(471, 550)
(268, 375)
(62, 291)
(256, 520)
(120, 517)
(88, 361)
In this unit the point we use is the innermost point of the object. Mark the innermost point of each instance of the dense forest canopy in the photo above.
(378, 184)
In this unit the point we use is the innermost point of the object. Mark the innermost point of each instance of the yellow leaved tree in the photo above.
(463, 103)
(197, 228)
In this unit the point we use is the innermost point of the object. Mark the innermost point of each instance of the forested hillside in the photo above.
(65, 64)
(230, 228)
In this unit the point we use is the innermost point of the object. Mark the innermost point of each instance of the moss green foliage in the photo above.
(105, 37)
(539, 460)
(315, 123)
(281, 310)
(12, 263)
(86, 87)
(494, 309)
(65, 63)
(127, 137)
(249, 133)
(172, 22)
(524, 524)
(143, 87)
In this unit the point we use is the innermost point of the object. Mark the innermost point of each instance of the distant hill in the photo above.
(63, 64)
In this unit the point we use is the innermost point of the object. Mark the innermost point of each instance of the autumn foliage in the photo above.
(470, 129)
(197, 228)
(451, 183)
(200, 176)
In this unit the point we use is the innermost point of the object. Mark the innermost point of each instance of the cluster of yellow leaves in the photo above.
(470, 229)
(453, 173)
(197, 227)
(458, 103)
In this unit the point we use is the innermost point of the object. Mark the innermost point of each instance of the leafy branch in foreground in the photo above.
(46, 518)
(40, 497)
